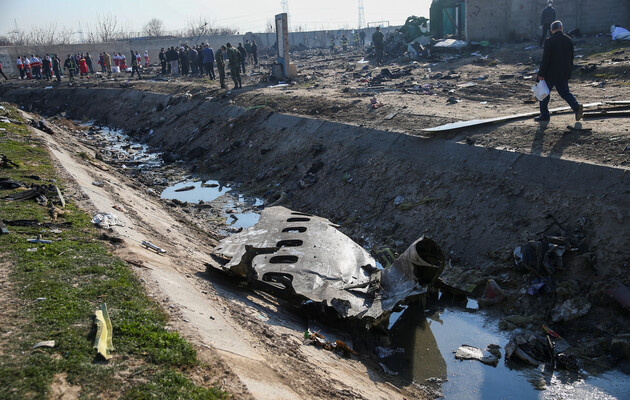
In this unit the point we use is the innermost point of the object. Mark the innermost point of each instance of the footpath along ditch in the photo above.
(387, 189)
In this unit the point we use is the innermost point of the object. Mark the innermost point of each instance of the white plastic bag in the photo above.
(540, 90)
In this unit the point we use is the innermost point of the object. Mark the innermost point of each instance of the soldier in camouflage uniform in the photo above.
(234, 57)
(218, 56)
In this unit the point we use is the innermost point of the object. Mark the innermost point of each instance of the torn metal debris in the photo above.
(103, 340)
(306, 258)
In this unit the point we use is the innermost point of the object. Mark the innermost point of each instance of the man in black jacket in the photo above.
(546, 18)
(163, 60)
(555, 70)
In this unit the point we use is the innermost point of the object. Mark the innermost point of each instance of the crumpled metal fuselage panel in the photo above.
(306, 256)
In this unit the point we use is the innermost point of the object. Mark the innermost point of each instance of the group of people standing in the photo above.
(50, 65)
(201, 60)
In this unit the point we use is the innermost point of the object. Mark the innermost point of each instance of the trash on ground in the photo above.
(39, 240)
(185, 189)
(151, 246)
(7, 183)
(318, 340)
(450, 44)
(103, 340)
(571, 309)
(98, 184)
(528, 348)
(619, 33)
(375, 103)
(107, 220)
(3, 229)
(45, 343)
(36, 192)
(304, 257)
(466, 352)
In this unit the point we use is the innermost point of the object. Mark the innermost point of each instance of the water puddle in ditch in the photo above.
(423, 344)
(239, 211)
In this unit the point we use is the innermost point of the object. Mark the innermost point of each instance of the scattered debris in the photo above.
(3, 229)
(375, 104)
(36, 192)
(45, 343)
(571, 309)
(528, 348)
(151, 246)
(39, 240)
(98, 184)
(107, 220)
(466, 352)
(7, 183)
(103, 341)
(185, 189)
(318, 340)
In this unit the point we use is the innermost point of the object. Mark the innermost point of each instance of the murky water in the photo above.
(430, 341)
(237, 208)
(206, 191)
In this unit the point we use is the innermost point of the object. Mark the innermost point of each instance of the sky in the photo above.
(242, 15)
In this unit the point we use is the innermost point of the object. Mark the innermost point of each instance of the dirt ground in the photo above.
(483, 82)
(260, 357)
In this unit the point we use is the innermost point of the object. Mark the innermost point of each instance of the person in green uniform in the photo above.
(218, 56)
(234, 61)
(378, 40)
(344, 43)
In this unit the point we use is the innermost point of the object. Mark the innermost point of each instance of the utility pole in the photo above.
(80, 32)
(361, 15)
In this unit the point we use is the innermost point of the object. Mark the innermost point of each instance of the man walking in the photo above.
(208, 61)
(135, 67)
(221, 65)
(546, 18)
(234, 57)
(88, 60)
(555, 70)
(378, 40)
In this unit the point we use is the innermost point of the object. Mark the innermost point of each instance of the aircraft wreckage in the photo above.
(307, 259)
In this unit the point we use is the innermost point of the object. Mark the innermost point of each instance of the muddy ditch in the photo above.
(387, 189)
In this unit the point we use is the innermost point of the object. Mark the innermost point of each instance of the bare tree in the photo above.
(198, 27)
(107, 28)
(154, 28)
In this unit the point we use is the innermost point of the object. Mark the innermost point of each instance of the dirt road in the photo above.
(250, 335)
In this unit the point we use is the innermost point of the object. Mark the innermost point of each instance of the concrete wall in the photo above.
(510, 20)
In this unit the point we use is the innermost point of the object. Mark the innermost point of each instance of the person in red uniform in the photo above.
(83, 68)
(20, 67)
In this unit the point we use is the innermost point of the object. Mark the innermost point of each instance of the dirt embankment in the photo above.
(386, 188)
